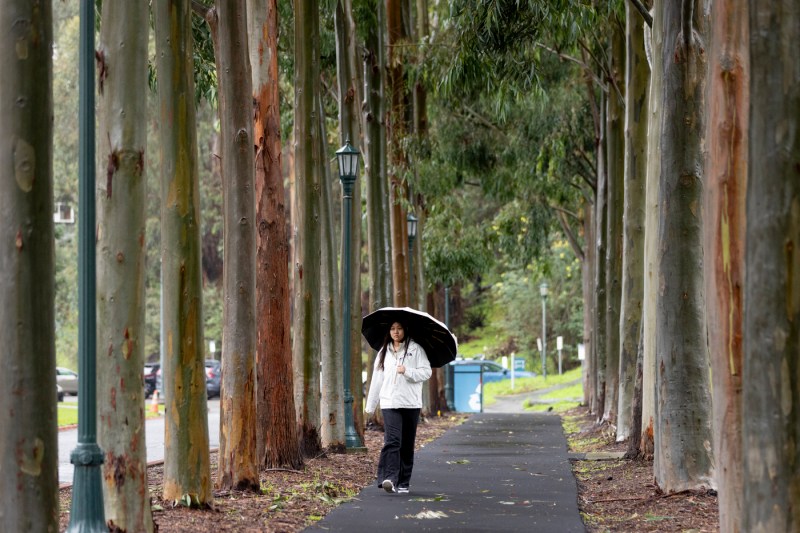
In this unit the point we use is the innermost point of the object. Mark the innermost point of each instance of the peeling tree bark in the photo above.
(186, 463)
(276, 426)
(683, 396)
(121, 265)
(28, 444)
(238, 464)
(725, 244)
(770, 414)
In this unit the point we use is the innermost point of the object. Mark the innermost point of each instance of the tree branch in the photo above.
(575, 60)
(648, 18)
(200, 9)
(573, 240)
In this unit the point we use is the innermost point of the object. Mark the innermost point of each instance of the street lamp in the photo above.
(347, 157)
(411, 220)
(448, 369)
(543, 293)
(87, 490)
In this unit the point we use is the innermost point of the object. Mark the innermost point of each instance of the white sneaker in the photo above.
(388, 486)
(402, 490)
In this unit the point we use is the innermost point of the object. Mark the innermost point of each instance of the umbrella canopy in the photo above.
(440, 345)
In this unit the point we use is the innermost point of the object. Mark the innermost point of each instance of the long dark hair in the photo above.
(388, 338)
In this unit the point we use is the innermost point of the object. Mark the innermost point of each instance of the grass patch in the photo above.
(503, 388)
(68, 413)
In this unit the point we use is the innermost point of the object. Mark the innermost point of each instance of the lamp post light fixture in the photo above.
(543, 293)
(411, 220)
(87, 490)
(347, 156)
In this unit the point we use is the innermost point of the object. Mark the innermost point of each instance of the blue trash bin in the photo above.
(468, 388)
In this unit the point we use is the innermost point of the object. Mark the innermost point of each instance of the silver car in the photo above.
(68, 379)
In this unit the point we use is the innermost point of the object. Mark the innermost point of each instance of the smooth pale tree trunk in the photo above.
(397, 130)
(615, 145)
(651, 229)
(276, 429)
(122, 56)
(238, 462)
(307, 227)
(28, 445)
(601, 234)
(637, 82)
(349, 84)
(683, 438)
(375, 176)
(587, 277)
(725, 244)
(332, 426)
(186, 463)
(771, 388)
(377, 190)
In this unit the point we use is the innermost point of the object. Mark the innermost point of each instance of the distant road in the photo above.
(154, 435)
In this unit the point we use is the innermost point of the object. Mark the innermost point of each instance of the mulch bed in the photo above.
(613, 495)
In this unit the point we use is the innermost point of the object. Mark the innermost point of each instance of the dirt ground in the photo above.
(613, 495)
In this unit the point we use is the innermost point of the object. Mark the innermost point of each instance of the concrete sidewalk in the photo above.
(496, 472)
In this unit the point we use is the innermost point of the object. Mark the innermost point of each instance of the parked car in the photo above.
(213, 377)
(68, 379)
(150, 372)
(494, 371)
(59, 393)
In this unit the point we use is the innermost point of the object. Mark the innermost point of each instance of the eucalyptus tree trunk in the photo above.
(349, 91)
(28, 445)
(122, 55)
(306, 221)
(683, 397)
(186, 463)
(238, 461)
(637, 79)
(601, 235)
(725, 244)
(379, 246)
(332, 425)
(377, 184)
(652, 224)
(276, 427)
(771, 471)
(587, 277)
(397, 130)
(615, 144)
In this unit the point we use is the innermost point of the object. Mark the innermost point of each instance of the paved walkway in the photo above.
(496, 472)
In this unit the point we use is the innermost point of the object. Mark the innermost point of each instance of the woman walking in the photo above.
(401, 367)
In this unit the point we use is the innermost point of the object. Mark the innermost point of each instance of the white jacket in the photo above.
(399, 391)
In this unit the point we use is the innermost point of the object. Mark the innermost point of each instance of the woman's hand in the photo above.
(401, 369)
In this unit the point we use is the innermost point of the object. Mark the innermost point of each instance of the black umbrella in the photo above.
(440, 345)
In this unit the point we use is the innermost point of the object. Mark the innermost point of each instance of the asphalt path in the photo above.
(154, 437)
(496, 472)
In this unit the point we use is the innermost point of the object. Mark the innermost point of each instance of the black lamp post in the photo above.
(448, 370)
(87, 490)
(543, 293)
(411, 220)
(347, 156)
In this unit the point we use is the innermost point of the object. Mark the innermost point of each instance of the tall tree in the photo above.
(655, 38)
(186, 463)
(307, 227)
(28, 445)
(683, 397)
(729, 72)
(122, 57)
(276, 423)
(615, 145)
(637, 79)
(771, 388)
(397, 128)
(238, 464)
(598, 354)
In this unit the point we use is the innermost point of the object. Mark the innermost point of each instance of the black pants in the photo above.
(397, 455)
